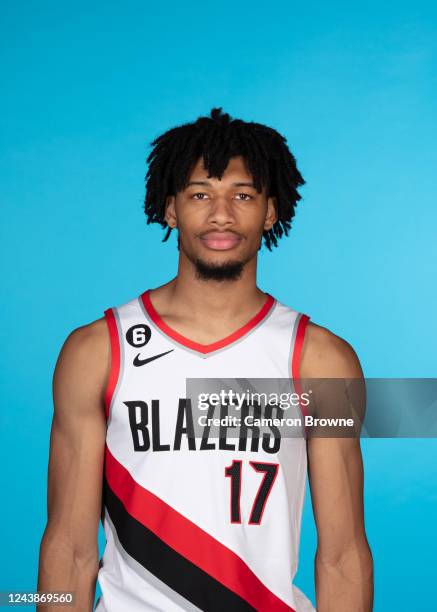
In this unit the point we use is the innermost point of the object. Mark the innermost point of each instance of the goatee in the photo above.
(230, 270)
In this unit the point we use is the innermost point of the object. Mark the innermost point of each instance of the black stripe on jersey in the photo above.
(175, 570)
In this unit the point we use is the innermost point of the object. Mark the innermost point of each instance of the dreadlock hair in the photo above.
(217, 138)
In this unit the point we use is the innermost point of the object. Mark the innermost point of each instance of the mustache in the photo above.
(220, 232)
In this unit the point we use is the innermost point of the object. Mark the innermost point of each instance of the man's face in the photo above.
(220, 222)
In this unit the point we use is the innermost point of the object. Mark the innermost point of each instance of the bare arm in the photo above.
(343, 564)
(69, 554)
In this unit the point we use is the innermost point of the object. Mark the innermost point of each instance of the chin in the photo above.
(229, 269)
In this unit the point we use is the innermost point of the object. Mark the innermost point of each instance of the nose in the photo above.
(221, 211)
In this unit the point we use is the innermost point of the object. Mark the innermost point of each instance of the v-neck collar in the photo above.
(213, 346)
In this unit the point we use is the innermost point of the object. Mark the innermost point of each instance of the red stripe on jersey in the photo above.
(115, 359)
(295, 362)
(205, 348)
(189, 540)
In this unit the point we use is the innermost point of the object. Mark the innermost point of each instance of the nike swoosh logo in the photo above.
(139, 362)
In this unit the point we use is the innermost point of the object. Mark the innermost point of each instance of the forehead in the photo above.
(236, 168)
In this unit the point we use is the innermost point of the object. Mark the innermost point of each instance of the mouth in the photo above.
(220, 241)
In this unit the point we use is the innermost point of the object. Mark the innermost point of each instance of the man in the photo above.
(192, 521)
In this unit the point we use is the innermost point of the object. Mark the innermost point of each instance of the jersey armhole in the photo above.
(114, 371)
(296, 359)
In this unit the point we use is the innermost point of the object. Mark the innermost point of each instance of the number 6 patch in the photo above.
(138, 335)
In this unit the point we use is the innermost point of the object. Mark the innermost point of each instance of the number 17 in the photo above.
(233, 472)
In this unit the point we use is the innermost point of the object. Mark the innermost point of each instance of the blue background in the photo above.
(352, 87)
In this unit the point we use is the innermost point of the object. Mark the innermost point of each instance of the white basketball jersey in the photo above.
(194, 522)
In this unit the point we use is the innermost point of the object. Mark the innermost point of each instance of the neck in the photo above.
(212, 298)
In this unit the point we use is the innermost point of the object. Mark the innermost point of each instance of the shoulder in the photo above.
(326, 355)
(84, 359)
(87, 340)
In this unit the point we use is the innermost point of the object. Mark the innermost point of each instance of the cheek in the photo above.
(252, 220)
(191, 223)
(191, 213)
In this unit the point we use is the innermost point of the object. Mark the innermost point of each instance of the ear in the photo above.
(271, 215)
(170, 211)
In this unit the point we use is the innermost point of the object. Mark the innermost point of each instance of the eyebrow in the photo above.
(208, 183)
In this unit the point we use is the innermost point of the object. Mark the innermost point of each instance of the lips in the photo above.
(220, 241)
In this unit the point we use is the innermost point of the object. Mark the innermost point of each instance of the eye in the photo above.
(200, 193)
(246, 196)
